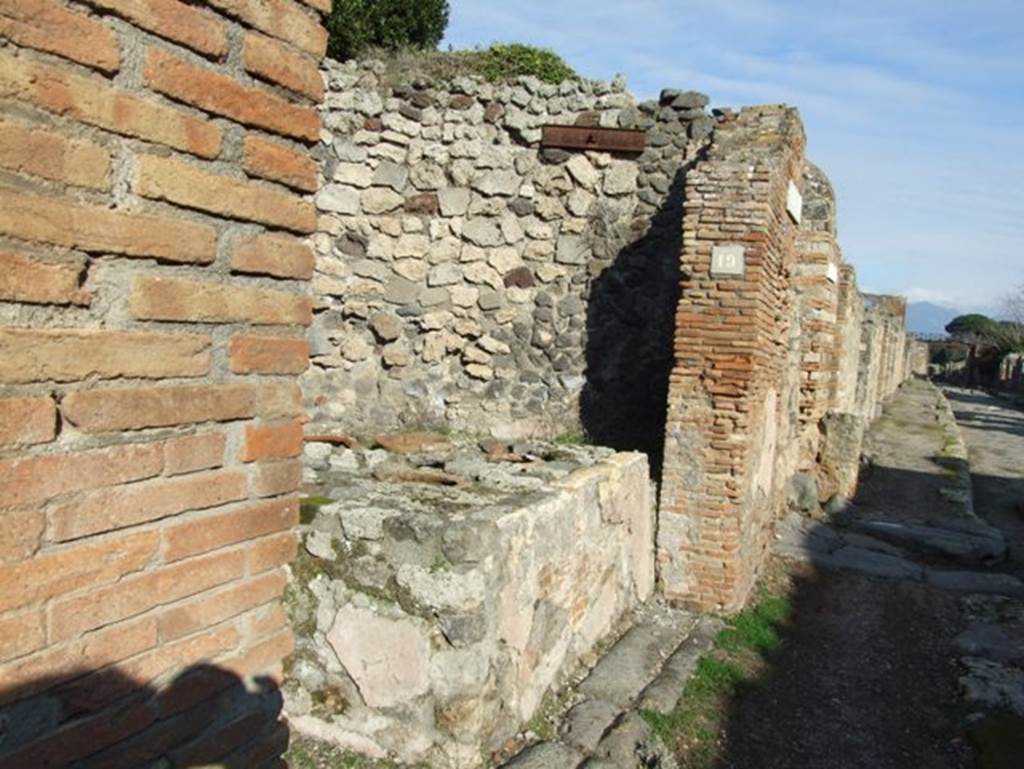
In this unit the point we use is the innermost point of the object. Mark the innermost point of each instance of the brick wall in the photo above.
(776, 370)
(154, 180)
(727, 409)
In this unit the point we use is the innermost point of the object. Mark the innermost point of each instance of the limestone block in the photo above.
(583, 172)
(454, 201)
(503, 183)
(387, 658)
(482, 232)
(379, 200)
(338, 199)
(620, 178)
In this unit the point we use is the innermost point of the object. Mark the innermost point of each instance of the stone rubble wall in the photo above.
(1011, 373)
(433, 620)
(466, 277)
(155, 186)
(777, 370)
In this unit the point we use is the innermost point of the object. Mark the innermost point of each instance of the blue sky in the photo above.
(915, 109)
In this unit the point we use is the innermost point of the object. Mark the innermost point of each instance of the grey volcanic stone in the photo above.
(572, 249)
(975, 582)
(546, 755)
(586, 724)
(391, 175)
(690, 100)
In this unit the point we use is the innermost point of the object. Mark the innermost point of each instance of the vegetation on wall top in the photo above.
(356, 26)
(406, 33)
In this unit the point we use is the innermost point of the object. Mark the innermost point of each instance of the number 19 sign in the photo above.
(727, 262)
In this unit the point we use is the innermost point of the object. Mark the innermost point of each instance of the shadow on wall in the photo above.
(630, 332)
(107, 720)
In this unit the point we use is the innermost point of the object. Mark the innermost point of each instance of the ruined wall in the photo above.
(433, 619)
(153, 305)
(883, 352)
(1011, 373)
(917, 358)
(849, 330)
(780, 361)
(467, 277)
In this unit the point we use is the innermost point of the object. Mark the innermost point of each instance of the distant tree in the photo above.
(1009, 334)
(356, 25)
(972, 328)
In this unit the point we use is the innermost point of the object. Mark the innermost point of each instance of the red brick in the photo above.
(20, 534)
(262, 655)
(123, 506)
(99, 229)
(134, 595)
(194, 452)
(282, 256)
(136, 408)
(27, 421)
(280, 163)
(78, 567)
(56, 664)
(54, 28)
(268, 355)
(218, 742)
(190, 301)
(271, 552)
(280, 399)
(21, 634)
(104, 687)
(196, 28)
(270, 60)
(189, 185)
(324, 6)
(267, 620)
(217, 530)
(93, 100)
(262, 753)
(282, 19)
(273, 478)
(215, 607)
(69, 355)
(223, 95)
(36, 151)
(272, 441)
(81, 738)
(27, 280)
(35, 480)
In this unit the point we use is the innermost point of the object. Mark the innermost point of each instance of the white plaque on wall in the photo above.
(795, 203)
(833, 273)
(727, 262)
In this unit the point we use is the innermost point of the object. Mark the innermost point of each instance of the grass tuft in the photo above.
(310, 506)
(694, 726)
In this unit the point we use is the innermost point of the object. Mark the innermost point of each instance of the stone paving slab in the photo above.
(663, 694)
(637, 657)
(648, 666)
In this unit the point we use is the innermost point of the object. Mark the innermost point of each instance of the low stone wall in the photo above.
(432, 619)
(466, 277)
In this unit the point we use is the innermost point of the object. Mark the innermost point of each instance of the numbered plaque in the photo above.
(727, 262)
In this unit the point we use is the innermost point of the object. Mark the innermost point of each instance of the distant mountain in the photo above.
(928, 318)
